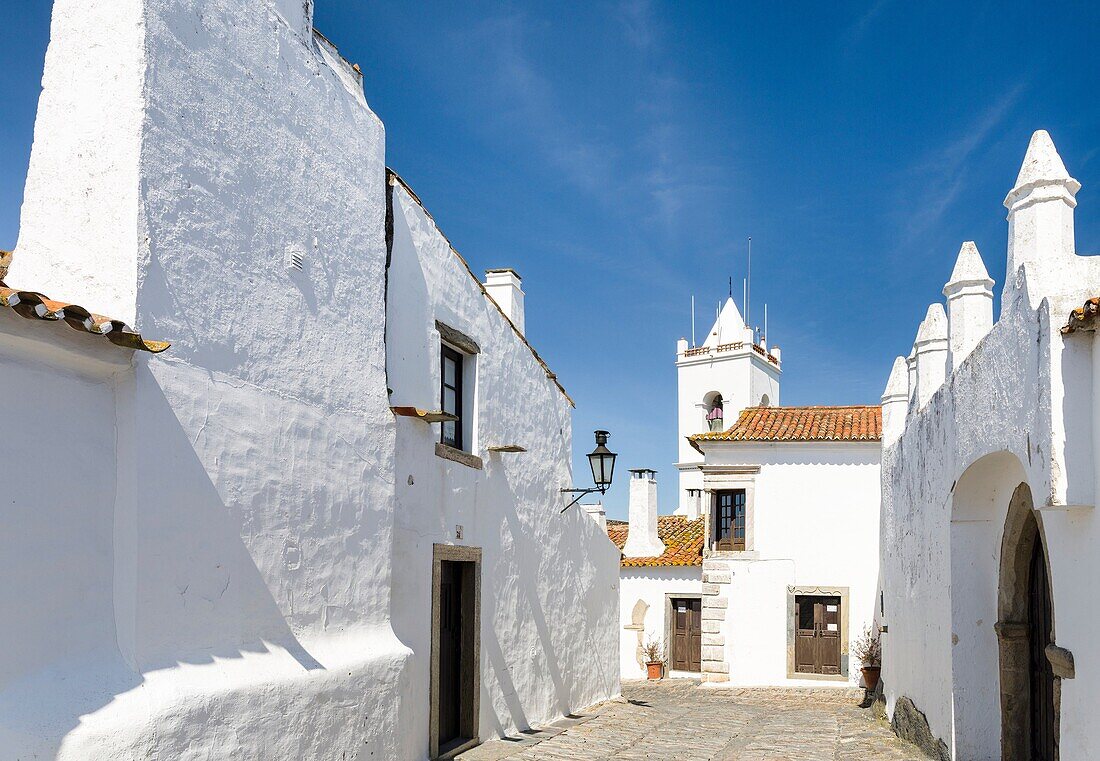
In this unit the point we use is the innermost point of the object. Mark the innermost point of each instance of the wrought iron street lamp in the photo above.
(602, 461)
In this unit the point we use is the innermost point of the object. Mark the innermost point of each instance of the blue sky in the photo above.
(618, 154)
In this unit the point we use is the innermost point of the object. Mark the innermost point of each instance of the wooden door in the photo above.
(817, 634)
(450, 652)
(1040, 673)
(687, 634)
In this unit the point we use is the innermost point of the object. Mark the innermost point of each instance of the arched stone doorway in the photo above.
(980, 503)
(1025, 627)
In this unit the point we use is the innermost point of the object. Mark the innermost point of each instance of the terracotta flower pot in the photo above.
(870, 676)
(654, 669)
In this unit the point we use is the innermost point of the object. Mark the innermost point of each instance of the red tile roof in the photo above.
(858, 423)
(683, 541)
(34, 306)
(1084, 317)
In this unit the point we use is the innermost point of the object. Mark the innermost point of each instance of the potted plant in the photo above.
(654, 653)
(868, 648)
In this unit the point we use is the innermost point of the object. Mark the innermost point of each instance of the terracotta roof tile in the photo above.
(683, 541)
(1084, 317)
(857, 423)
(34, 306)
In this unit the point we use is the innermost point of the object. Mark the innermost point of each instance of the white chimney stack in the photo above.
(504, 287)
(931, 348)
(596, 512)
(895, 402)
(642, 540)
(969, 303)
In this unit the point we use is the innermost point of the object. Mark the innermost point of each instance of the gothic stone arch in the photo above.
(1023, 554)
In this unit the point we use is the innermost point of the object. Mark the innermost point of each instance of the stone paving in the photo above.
(677, 719)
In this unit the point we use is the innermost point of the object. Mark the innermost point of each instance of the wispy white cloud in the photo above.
(646, 176)
(639, 23)
(860, 27)
(943, 173)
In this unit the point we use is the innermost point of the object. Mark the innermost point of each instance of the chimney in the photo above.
(504, 287)
(642, 540)
(895, 402)
(931, 348)
(1040, 216)
(597, 513)
(969, 304)
(776, 353)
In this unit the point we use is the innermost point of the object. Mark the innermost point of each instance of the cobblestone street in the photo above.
(675, 719)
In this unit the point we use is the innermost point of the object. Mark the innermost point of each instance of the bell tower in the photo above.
(716, 380)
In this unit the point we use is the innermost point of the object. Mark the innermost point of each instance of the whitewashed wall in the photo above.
(1020, 409)
(549, 580)
(58, 404)
(757, 621)
(980, 432)
(252, 521)
(651, 586)
(816, 504)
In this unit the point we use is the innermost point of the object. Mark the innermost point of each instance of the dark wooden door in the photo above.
(817, 634)
(450, 651)
(687, 634)
(1040, 672)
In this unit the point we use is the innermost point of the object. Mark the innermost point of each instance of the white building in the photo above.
(256, 543)
(989, 489)
(770, 566)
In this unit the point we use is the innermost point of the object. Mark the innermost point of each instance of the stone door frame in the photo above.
(842, 592)
(471, 648)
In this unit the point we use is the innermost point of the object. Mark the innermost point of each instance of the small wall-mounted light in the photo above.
(602, 461)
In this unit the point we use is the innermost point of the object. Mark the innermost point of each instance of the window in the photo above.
(451, 397)
(729, 520)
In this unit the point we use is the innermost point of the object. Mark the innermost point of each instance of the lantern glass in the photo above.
(602, 462)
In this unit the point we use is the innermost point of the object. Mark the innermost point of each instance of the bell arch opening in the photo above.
(714, 406)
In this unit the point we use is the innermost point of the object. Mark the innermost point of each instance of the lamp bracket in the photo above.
(581, 494)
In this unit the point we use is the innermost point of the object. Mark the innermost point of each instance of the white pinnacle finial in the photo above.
(898, 384)
(969, 295)
(895, 402)
(1043, 166)
(969, 268)
(1040, 219)
(934, 327)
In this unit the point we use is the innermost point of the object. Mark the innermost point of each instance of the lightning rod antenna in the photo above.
(748, 285)
(693, 320)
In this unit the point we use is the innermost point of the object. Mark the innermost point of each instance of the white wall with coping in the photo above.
(549, 580)
(816, 504)
(651, 586)
(251, 521)
(1019, 409)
